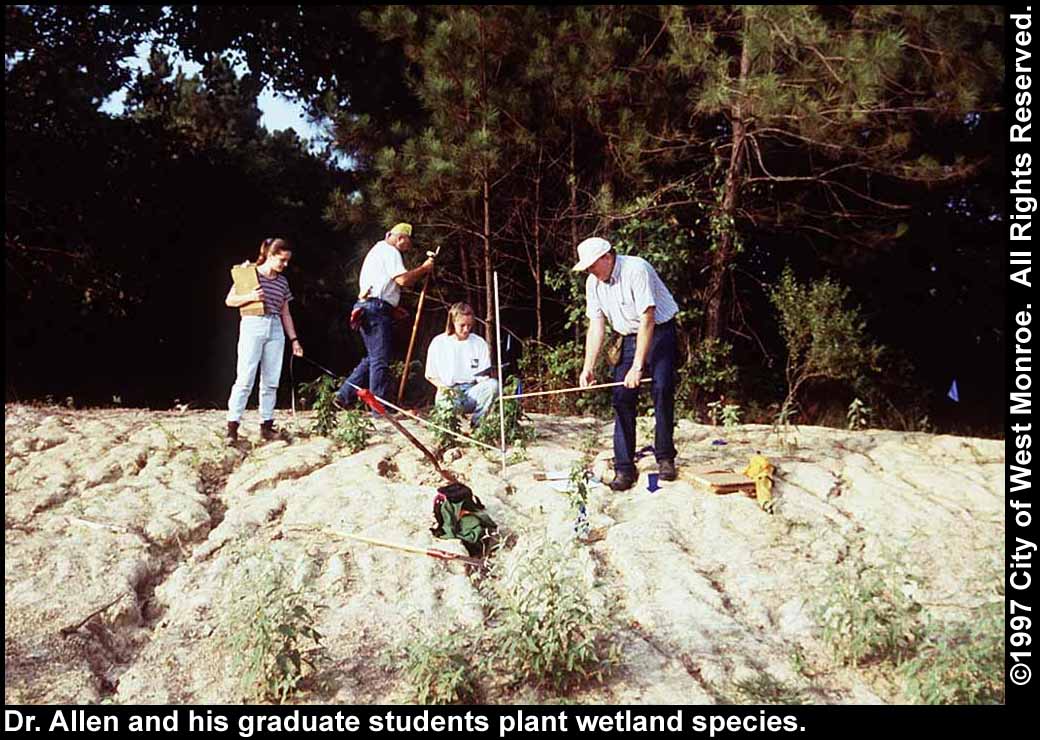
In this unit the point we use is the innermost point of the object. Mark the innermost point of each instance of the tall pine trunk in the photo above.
(715, 323)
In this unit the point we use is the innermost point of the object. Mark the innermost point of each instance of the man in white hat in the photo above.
(628, 291)
(382, 277)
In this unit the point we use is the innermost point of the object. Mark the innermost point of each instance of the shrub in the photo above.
(445, 415)
(553, 368)
(270, 632)
(858, 415)
(867, 616)
(320, 394)
(548, 628)
(708, 372)
(489, 430)
(353, 429)
(824, 339)
(439, 670)
(960, 663)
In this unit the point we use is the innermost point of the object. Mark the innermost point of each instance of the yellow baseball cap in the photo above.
(402, 228)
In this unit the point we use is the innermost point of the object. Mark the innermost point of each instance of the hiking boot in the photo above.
(232, 432)
(267, 431)
(623, 480)
(666, 470)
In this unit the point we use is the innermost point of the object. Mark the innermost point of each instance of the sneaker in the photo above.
(623, 480)
(666, 470)
(232, 432)
(267, 431)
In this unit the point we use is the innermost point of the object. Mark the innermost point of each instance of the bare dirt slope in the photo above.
(150, 515)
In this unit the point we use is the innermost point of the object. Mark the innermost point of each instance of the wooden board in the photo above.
(720, 481)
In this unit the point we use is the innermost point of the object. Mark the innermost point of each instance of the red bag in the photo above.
(355, 318)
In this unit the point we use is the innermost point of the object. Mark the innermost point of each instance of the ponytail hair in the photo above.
(272, 246)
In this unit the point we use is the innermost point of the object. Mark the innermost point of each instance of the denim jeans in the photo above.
(373, 372)
(474, 398)
(661, 364)
(261, 344)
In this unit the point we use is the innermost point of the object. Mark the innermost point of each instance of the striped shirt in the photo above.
(276, 293)
(633, 287)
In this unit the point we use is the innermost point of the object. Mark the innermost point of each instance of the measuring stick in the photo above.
(572, 390)
(501, 402)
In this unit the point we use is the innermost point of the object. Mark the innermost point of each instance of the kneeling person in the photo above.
(459, 360)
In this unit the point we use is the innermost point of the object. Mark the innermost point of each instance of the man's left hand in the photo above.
(633, 376)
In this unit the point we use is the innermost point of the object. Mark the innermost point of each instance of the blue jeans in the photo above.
(261, 344)
(373, 372)
(661, 364)
(474, 398)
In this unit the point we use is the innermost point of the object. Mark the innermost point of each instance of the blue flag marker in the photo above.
(952, 393)
(651, 484)
(519, 387)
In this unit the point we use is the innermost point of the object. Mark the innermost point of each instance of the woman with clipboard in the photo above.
(262, 295)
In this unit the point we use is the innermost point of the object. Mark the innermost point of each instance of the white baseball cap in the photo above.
(589, 251)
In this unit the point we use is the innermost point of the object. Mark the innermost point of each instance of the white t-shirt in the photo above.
(382, 264)
(453, 362)
(633, 287)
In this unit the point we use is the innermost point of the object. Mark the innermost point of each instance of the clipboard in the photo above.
(245, 280)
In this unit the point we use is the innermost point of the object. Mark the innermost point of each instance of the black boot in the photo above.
(267, 431)
(232, 432)
(666, 470)
(623, 480)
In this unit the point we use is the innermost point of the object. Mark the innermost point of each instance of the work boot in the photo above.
(232, 432)
(267, 431)
(623, 480)
(666, 470)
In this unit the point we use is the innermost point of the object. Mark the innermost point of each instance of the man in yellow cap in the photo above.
(382, 276)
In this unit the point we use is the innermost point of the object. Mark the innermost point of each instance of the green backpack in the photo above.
(461, 516)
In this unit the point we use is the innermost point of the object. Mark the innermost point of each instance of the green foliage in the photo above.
(439, 669)
(321, 394)
(867, 616)
(858, 414)
(517, 433)
(270, 632)
(547, 368)
(709, 371)
(549, 629)
(731, 415)
(824, 339)
(960, 663)
(765, 689)
(353, 429)
(445, 415)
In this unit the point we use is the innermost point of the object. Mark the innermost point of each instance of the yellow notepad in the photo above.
(245, 279)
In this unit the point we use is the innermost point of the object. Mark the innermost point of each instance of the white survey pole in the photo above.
(501, 386)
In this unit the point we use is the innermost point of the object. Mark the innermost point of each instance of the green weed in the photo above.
(353, 429)
(960, 663)
(867, 617)
(439, 670)
(765, 689)
(270, 632)
(548, 627)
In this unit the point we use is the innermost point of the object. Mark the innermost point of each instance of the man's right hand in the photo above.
(586, 378)
(428, 264)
